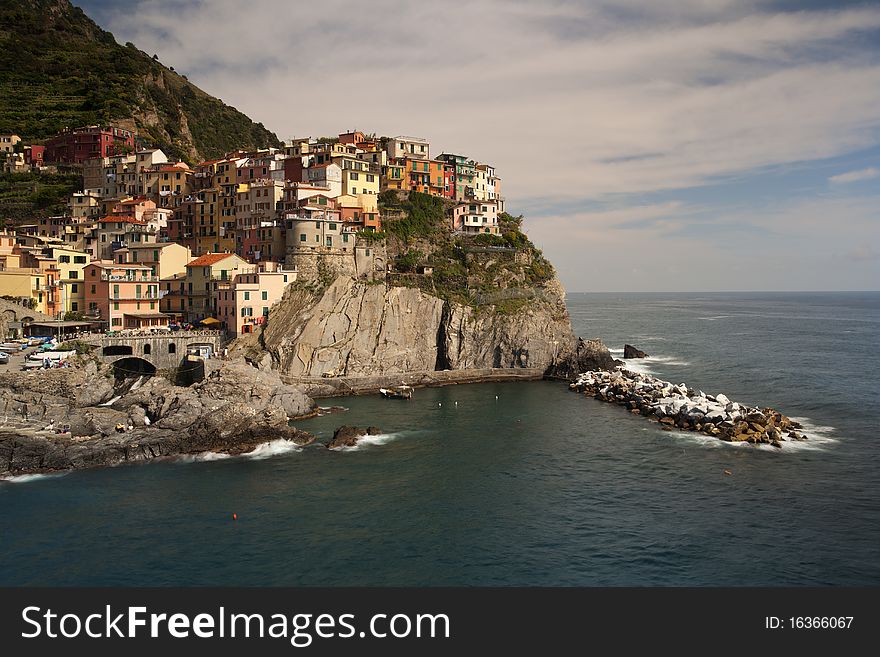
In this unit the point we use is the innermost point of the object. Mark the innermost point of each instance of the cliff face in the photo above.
(360, 329)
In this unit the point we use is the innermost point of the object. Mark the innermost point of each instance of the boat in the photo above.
(12, 347)
(37, 360)
(4, 358)
(398, 392)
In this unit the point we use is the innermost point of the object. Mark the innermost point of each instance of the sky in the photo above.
(690, 145)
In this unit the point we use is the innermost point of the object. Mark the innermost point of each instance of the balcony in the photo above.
(116, 278)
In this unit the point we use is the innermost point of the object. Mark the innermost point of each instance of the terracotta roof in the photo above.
(209, 259)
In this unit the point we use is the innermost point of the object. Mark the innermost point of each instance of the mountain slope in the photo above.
(59, 69)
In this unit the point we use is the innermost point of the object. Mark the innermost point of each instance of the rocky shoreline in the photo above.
(683, 408)
(54, 420)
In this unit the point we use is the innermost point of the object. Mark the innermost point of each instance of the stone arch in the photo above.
(27, 319)
(133, 366)
(117, 350)
(9, 315)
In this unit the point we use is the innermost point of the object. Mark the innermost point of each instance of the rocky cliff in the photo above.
(357, 328)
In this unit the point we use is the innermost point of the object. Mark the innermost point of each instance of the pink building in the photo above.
(126, 296)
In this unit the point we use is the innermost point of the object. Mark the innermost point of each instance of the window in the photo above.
(64, 259)
(368, 252)
(302, 237)
(74, 306)
(265, 295)
(354, 176)
(117, 321)
(265, 311)
(156, 256)
(93, 289)
(74, 288)
(371, 178)
(172, 348)
(345, 237)
(329, 241)
(115, 291)
(285, 278)
(247, 296)
(332, 226)
(115, 305)
(147, 349)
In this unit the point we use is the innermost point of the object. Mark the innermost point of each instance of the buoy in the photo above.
(235, 516)
(728, 472)
(439, 403)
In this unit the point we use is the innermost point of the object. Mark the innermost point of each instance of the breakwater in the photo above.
(676, 406)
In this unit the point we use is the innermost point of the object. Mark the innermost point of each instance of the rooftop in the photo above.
(209, 259)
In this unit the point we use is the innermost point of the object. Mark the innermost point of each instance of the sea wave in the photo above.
(25, 478)
(262, 451)
(369, 441)
(646, 365)
(819, 438)
(713, 318)
(272, 448)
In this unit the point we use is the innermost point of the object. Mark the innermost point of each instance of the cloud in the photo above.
(586, 108)
(855, 176)
(616, 98)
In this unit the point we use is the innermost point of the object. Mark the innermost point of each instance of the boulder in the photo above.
(632, 352)
(347, 436)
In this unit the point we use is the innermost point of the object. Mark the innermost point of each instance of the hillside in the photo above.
(59, 69)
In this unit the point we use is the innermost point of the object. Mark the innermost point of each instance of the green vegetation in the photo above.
(424, 216)
(371, 236)
(28, 196)
(409, 261)
(78, 346)
(59, 69)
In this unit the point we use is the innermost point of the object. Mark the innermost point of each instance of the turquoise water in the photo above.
(518, 483)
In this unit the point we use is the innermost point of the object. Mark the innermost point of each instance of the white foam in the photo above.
(368, 441)
(262, 451)
(23, 479)
(204, 456)
(714, 317)
(646, 365)
(272, 448)
(819, 437)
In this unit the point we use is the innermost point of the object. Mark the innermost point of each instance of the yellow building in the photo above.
(202, 275)
(163, 258)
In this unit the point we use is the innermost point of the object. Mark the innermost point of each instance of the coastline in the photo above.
(345, 386)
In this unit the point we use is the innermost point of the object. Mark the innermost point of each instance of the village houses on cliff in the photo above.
(150, 242)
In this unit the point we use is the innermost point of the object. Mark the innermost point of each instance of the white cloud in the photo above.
(856, 176)
(578, 100)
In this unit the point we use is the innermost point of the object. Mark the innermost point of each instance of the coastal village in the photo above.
(152, 244)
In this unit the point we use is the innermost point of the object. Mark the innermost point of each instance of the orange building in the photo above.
(426, 176)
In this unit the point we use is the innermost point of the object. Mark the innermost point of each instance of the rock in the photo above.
(722, 399)
(667, 420)
(631, 352)
(347, 436)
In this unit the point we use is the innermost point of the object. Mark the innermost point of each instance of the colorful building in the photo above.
(80, 144)
(243, 302)
(126, 296)
(476, 217)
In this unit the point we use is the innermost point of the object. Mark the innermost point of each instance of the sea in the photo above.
(516, 484)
